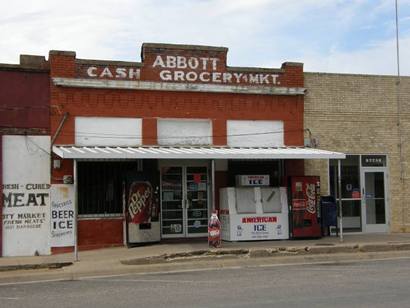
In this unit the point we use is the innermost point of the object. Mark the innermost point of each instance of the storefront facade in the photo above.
(172, 121)
(367, 118)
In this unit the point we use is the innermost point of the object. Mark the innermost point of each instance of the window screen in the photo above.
(100, 184)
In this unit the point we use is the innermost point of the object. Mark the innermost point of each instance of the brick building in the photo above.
(24, 151)
(181, 124)
(359, 115)
(179, 96)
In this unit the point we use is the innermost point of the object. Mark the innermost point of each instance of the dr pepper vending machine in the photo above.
(304, 205)
(141, 206)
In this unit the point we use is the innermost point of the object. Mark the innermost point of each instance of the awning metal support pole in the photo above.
(75, 212)
(339, 179)
(213, 183)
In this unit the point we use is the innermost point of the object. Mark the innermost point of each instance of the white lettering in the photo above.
(310, 193)
(158, 62)
(171, 62)
(227, 77)
(216, 77)
(181, 62)
(237, 77)
(165, 75)
(193, 63)
(91, 71)
(204, 62)
(214, 61)
(179, 76)
(191, 76)
(263, 78)
(121, 73)
(203, 78)
(134, 73)
(106, 73)
(253, 78)
(274, 76)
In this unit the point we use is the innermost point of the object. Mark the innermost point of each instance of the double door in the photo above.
(184, 201)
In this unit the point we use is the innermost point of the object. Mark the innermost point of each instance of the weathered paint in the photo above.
(24, 99)
(26, 199)
(92, 88)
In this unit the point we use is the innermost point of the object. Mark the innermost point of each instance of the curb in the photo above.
(53, 265)
(213, 254)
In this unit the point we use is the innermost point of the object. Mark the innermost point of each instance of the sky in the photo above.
(339, 36)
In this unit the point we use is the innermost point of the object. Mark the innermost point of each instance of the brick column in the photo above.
(219, 132)
(149, 131)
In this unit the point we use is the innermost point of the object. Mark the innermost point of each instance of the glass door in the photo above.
(351, 196)
(197, 201)
(184, 201)
(374, 201)
(172, 202)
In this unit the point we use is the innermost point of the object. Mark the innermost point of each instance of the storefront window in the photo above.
(101, 184)
(351, 198)
(350, 169)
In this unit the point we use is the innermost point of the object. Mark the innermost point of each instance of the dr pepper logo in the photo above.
(140, 202)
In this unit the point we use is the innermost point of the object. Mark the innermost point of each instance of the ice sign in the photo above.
(252, 180)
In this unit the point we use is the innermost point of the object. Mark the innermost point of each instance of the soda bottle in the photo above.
(214, 231)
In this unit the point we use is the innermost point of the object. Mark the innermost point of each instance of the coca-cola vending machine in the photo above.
(304, 205)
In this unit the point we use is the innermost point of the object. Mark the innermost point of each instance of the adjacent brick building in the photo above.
(24, 114)
(359, 115)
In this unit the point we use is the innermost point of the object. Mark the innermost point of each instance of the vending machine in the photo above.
(253, 210)
(304, 205)
(141, 199)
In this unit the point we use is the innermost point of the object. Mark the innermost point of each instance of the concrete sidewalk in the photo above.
(188, 250)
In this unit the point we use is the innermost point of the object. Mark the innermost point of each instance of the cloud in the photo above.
(377, 59)
(326, 35)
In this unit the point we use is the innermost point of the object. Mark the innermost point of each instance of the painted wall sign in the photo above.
(182, 65)
(373, 160)
(26, 205)
(252, 180)
(62, 215)
(205, 69)
(130, 73)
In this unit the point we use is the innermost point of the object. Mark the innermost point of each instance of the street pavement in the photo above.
(377, 283)
(168, 256)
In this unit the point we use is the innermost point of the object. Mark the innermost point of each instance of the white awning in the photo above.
(186, 152)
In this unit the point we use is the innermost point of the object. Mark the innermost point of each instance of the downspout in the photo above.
(56, 134)
(60, 126)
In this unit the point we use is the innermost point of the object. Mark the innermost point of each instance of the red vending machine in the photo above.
(304, 205)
